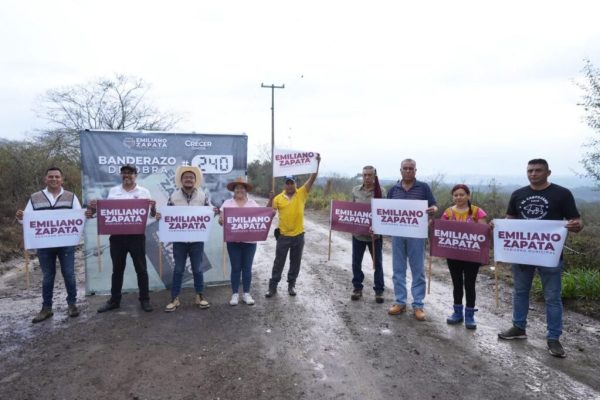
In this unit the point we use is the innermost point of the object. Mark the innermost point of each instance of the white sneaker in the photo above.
(248, 299)
(234, 299)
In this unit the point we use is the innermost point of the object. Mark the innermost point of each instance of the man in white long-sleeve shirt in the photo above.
(135, 245)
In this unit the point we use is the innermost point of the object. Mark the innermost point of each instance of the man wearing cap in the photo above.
(188, 180)
(54, 197)
(120, 245)
(290, 205)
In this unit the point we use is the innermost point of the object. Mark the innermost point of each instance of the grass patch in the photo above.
(577, 284)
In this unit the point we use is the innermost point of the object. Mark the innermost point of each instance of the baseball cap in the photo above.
(290, 178)
(129, 167)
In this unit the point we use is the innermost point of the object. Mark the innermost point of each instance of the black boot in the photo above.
(145, 304)
(272, 289)
(109, 305)
(291, 290)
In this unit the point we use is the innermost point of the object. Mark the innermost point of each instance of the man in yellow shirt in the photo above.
(290, 205)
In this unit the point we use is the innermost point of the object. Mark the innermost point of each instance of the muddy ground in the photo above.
(317, 345)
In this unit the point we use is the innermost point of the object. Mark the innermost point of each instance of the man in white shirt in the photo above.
(135, 245)
(54, 197)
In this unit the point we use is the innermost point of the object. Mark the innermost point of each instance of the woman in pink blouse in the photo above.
(241, 254)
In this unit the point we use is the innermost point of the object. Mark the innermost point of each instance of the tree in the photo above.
(591, 105)
(113, 104)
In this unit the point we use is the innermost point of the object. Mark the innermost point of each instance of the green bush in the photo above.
(320, 200)
(577, 284)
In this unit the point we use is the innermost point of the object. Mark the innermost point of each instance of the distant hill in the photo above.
(583, 189)
(586, 194)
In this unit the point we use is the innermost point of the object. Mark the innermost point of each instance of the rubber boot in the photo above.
(457, 316)
(470, 318)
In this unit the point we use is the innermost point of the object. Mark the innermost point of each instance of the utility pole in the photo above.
(273, 87)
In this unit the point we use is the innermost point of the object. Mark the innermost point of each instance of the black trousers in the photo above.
(294, 245)
(135, 245)
(463, 273)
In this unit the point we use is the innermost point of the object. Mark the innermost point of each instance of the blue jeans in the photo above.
(358, 252)
(551, 284)
(412, 250)
(181, 250)
(241, 256)
(47, 258)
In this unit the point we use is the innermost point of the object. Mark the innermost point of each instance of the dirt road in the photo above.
(317, 345)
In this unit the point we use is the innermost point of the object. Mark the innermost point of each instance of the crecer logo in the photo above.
(197, 143)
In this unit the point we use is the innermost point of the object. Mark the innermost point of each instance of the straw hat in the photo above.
(187, 168)
(240, 180)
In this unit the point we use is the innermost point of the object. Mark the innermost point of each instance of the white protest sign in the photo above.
(395, 217)
(530, 242)
(52, 228)
(294, 162)
(185, 223)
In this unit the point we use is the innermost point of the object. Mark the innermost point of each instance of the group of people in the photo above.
(188, 180)
(540, 200)
(552, 202)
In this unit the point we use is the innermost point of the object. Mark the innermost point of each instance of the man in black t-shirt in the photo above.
(540, 200)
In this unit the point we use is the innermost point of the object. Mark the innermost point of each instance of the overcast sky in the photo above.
(462, 87)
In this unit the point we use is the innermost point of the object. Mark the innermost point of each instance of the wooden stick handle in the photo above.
(223, 266)
(26, 255)
(329, 251)
(429, 275)
(496, 281)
